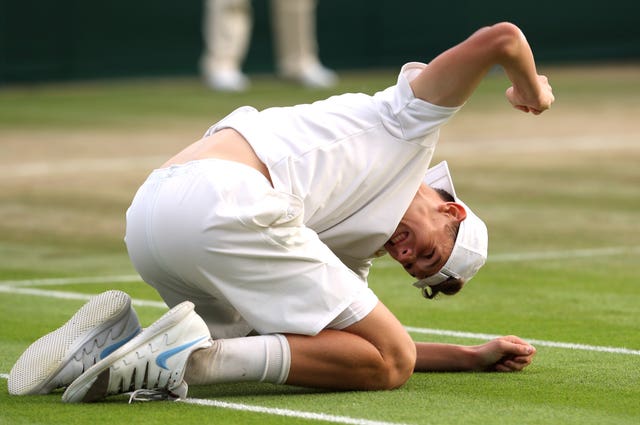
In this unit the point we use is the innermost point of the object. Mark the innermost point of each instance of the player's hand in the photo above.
(505, 354)
(536, 103)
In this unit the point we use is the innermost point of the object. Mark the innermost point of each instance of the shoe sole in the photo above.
(94, 383)
(36, 370)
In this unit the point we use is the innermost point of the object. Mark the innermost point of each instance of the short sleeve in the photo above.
(404, 115)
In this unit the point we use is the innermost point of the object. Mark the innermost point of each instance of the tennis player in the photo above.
(260, 237)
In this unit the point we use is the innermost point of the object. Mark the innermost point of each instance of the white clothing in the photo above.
(227, 26)
(216, 233)
(356, 161)
(292, 258)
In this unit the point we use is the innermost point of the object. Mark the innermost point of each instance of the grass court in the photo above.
(560, 194)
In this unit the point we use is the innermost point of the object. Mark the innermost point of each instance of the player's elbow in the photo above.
(506, 40)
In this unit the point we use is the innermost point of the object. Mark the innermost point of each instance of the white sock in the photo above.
(265, 358)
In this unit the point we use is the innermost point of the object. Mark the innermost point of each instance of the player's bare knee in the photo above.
(394, 370)
(404, 364)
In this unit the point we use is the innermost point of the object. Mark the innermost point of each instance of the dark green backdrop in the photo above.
(72, 39)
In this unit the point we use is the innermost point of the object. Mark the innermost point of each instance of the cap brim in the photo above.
(439, 177)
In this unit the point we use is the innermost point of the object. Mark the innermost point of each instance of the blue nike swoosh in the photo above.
(113, 347)
(162, 358)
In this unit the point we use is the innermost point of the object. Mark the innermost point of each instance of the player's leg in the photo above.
(294, 25)
(375, 353)
(226, 32)
(296, 285)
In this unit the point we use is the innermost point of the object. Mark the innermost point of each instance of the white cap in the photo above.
(470, 249)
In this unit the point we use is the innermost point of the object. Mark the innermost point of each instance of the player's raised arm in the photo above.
(452, 76)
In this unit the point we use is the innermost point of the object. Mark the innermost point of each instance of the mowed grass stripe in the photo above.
(72, 295)
(544, 255)
(14, 288)
(276, 411)
(285, 412)
(540, 342)
(382, 263)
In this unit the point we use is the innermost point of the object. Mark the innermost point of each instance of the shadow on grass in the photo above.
(250, 389)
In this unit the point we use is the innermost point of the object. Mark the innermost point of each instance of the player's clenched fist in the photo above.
(504, 354)
(534, 102)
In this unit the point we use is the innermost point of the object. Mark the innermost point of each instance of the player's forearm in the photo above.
(452, 76)
(516, 58)
(433, 357)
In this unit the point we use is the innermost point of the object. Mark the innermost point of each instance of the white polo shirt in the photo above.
(355, 161)
(292, 258)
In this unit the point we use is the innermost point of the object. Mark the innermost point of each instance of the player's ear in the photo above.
(455, 210)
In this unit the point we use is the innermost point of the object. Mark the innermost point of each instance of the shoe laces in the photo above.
(153, 392)
(152, 395)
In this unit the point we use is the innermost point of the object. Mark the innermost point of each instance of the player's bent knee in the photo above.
(393, 371)
(403, 366)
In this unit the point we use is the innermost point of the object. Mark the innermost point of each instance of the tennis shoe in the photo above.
(316, 77)
(154, 360)
(227, 80)
(103, 324)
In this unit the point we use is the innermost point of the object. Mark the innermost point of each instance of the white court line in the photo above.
(50, 168)
(72, 295)
(285, 412)
(540, 145)
(382, 263)
(556, 255)
(72, 280)
(276, 411)
(538, 342)
(451, 146)
(542, 255)
(17, 287)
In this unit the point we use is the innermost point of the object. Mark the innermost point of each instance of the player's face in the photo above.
(423, 241)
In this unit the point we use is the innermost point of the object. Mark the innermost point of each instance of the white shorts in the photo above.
(216, 233)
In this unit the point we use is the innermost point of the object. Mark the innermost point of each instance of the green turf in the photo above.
(141, 103)
(547, 202)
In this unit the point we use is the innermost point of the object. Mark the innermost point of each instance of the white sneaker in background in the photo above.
(154, 360)
(317, 77)
(227, 80)
(104, 323)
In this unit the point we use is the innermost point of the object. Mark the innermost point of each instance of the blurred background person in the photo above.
(227, 32)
